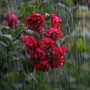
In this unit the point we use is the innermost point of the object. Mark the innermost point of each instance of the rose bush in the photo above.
(43, 51)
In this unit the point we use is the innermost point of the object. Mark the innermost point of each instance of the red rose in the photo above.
(58, 52)
(38, 54)
(55, 53)
(46, 43)
(57, 56)
(12, 20)
(54, 33)
(42, 66)
(30, 41)
(57, 62)
(63, 50)
(55, 21)
(35, 22)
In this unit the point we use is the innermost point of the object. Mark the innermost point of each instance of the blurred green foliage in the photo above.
(68, 2)
(83, 13)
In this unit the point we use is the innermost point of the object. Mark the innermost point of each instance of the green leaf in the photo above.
(81, 45)
(4, 44)
(8, 36)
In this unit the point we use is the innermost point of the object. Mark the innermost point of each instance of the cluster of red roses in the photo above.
(44, 52)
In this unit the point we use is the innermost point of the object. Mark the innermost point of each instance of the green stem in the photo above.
(19, 35)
